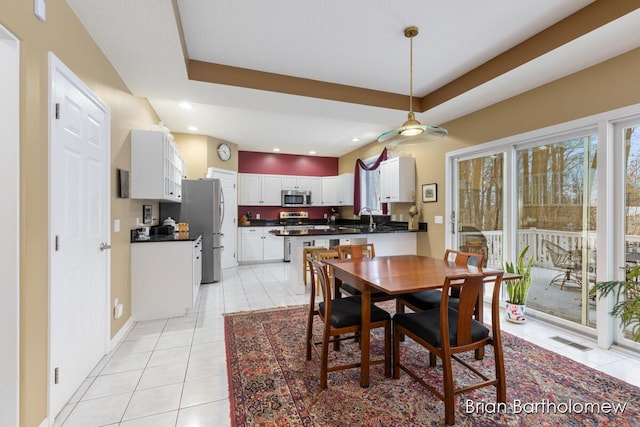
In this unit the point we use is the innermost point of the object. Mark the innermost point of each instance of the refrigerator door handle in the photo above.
(221, 206)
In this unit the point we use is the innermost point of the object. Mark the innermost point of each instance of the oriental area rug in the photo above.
(272, 384)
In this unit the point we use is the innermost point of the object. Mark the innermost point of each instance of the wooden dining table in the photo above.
(395, 275)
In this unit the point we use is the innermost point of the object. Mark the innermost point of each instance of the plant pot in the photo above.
(514, 312)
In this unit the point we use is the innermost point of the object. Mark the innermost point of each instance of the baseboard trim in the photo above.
(119, 336)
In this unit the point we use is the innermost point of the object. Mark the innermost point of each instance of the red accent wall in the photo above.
(272, 212)
(286, 164)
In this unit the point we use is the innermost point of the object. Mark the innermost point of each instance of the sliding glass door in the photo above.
(556, 218)
(477, 220)
(627, 136)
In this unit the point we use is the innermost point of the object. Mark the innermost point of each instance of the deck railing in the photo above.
(570, 240)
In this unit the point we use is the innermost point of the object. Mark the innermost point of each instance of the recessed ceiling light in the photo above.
(312, 152)
(192, 128)
(276, 149)
(186, 105)
(355, 139)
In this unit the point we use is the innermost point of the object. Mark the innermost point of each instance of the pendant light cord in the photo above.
(411, 74)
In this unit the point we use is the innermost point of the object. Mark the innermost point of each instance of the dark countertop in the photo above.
(357, 226)
(174, 237)
(341, 229)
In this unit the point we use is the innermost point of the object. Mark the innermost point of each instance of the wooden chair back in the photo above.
(356, 251)
(470, 290)
(463, 258)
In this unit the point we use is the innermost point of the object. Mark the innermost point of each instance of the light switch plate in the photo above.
(40, 9)
(116, 226)
(438, 219)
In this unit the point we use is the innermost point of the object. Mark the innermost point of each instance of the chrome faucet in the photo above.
(366, 209)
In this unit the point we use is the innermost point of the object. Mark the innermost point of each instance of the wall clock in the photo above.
(224, 152)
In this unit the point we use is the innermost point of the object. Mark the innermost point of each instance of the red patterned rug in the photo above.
(272, 384)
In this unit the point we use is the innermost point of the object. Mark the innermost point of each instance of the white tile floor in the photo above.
(172, 372)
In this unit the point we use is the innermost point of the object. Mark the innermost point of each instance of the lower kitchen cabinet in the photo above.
(257, 244)
(165, 278)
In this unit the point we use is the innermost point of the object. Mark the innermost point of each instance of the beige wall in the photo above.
(63, 35)
(606, 86)
(603, 87)
(199, 153)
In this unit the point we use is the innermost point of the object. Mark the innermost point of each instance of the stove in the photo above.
(292, 219)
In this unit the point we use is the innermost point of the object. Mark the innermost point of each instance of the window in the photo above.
(370, 187)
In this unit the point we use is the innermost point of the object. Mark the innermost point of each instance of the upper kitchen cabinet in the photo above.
(291, 182)
(398, 180)
(337, 190)
(315, 186)
(156, 167)
(260, 190)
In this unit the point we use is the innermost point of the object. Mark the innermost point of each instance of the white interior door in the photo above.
(9, 218)
(229, 225)
(79, 227)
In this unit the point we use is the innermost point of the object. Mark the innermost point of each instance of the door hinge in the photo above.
(57, 111)
(56, 375)
(57, 243)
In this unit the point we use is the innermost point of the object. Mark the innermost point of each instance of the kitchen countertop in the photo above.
(345, 229)
(174, 237)
(342, 226)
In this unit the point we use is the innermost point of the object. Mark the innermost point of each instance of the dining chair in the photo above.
(570, 262)
(426, 300)
(447, 332)
(341, 318)
(305, 266)
(360, 251)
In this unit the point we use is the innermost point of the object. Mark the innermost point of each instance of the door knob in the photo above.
(104, 246)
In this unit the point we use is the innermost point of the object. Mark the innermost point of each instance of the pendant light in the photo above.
(411, 131)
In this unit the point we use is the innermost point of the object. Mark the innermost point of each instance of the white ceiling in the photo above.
(357, 43)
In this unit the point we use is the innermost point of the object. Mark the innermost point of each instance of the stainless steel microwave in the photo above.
(295, 198)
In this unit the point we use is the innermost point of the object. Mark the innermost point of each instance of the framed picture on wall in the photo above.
(146, 214)
(123, 184)
(429, 193)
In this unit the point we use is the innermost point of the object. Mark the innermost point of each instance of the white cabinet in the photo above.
(156, 167)
(257, 244)
(260, 190)
(329, 190)
(337, 190)
(291, 182)
(345, 189)
(165, 278)
(398, 180)
(315, 186)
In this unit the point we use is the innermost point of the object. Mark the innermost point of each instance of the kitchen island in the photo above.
(387, 241)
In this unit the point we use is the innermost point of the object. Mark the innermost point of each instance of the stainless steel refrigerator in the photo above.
(202, 208)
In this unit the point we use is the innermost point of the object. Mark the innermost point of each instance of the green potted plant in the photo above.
(627, 299)
(518, 290)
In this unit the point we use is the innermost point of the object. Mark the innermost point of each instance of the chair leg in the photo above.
(399, 310)
(387, 350)
(324, 361)
(310, 317)
(396, 353)
(432, 359)
(449, 398)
